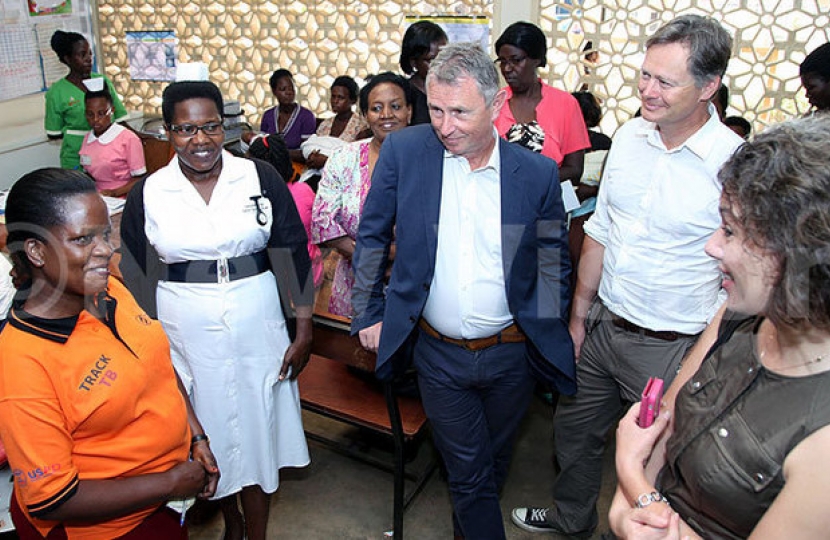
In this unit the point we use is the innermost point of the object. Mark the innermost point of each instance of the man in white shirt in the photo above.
(645, 288)
(479, 286)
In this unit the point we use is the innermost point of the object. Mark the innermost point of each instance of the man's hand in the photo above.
(370, 337)
(577, 331)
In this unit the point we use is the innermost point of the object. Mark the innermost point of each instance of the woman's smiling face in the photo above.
(199, 154)
(749, 271)
(388, 110)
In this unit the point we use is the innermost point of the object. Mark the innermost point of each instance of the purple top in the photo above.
(302, 122)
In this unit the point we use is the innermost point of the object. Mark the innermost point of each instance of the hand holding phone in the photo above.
(650, 403)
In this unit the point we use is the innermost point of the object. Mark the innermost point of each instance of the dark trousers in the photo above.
(163, 524)
(475, 402)
(614, 367)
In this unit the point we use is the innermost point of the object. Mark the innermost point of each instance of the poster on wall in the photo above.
(459, 28)
(39, 8)
(152, 55)
(20, 72)
(27, 62)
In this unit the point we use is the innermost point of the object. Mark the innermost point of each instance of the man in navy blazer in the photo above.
(480, 279)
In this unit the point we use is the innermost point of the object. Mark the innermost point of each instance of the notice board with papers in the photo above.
(27, 62)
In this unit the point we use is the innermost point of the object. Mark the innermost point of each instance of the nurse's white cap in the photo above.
(192, 71)
(94, 85)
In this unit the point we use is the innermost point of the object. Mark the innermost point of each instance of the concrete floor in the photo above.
(338, 497)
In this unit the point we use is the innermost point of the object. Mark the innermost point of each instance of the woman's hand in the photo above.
(642, 524)
(635, 444)
(201, 453)
(344, 245)
(187, 479)
(584, 191)
(316, 160)
(297, 355)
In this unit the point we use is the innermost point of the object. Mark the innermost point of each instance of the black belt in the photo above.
(665, 335)
(216, 271)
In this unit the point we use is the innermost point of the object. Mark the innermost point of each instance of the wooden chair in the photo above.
(330, 388)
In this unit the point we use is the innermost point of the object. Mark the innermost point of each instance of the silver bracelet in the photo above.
(647, 498)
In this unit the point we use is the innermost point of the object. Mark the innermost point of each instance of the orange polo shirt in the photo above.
(83, 399)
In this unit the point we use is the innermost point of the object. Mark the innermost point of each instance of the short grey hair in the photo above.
(458, 60)
(710, 45)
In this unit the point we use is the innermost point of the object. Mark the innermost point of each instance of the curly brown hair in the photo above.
(778, 187)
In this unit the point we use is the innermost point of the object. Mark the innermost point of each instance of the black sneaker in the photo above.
(535, 520)
(532, 520)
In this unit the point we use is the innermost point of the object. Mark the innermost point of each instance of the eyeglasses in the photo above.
(512, 62)
(98, 114)
(189, 130)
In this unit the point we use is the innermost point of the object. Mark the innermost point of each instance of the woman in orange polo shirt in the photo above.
(97, 430)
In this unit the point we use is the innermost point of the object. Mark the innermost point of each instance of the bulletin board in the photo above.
(459, 28)
(27, 62)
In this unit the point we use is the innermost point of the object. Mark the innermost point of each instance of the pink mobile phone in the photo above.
(650, 404)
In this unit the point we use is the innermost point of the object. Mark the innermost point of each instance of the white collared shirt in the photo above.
(182, 227)
(655, 211)
(467, 297)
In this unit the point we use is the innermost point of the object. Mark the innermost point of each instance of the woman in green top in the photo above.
(65, 117)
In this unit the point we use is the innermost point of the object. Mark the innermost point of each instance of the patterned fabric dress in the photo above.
(337, 208)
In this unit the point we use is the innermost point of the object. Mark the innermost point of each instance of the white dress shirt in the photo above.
(655, 211)
(467, 297)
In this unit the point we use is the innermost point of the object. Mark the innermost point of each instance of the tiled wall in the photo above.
(243, 41)
(771, 37)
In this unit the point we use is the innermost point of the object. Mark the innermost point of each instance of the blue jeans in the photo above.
(475, 402)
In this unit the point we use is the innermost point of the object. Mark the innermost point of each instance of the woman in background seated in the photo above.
(291, 120)
(216, 241)
(385, 102)
(745, 455)
(272, 149)
(65, 98)
(97, 427)
(344, 125)
(111, 154)
(421, 44)
(538, 116)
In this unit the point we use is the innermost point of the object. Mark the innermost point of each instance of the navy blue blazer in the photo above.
(406, 195)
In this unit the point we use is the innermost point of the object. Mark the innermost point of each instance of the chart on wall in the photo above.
(27, 62)
(459, 27)
(152, 55)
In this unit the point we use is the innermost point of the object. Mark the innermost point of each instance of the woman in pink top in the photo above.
(536, 115)
(111, 154)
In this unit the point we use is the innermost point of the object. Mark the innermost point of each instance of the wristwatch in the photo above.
(647, 498)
